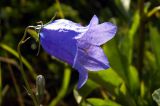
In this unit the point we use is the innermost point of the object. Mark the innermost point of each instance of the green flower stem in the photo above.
(20, 99)
(9, 61)
(153, 11)
(5, 90)
(26, 63)
(22, 70)
(59, 9)
(34, 34)
(142, 36)
(63, 90)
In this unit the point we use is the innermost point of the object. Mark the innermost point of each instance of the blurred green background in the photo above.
(134, 54)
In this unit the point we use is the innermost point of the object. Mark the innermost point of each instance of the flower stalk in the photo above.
(64, 88)
(22, 69)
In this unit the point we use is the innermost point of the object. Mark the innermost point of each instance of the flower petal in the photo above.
(94, 21)
(63, 24)
(59, 44)
(99, 34)
(91, 58)
(83, 75)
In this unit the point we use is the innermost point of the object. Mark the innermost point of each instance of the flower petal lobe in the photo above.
(100, 34)
(94, 21)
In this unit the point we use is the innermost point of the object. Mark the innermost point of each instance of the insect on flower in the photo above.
(77, 45)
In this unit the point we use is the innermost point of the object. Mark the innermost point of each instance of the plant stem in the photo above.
(9, 61)
(63, 90)
(142, 36)
(26, 63)
(20, 99)
(22, 70)
(59, 9)
(153, 11)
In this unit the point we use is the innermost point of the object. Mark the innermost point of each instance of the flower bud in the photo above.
(40, 87)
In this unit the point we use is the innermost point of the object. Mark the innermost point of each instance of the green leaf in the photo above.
(115, 58)
(120, 66)
(101, 102)
(155, 41)
(127, 43)
(108, 79)
(150, 60)
(14, 53)
(110, 76)
(133, 79)
(88, 88)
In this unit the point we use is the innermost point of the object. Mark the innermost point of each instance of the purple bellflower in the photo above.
(77, 45)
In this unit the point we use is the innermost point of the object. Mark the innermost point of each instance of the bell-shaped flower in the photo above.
(77, 45)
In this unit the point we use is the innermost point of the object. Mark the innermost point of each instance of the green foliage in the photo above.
(101, 102)
(134, 54)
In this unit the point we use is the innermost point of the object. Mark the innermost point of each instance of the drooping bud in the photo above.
(40, 87)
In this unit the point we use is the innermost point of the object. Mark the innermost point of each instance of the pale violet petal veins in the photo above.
(99, 34)
(91, 57)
